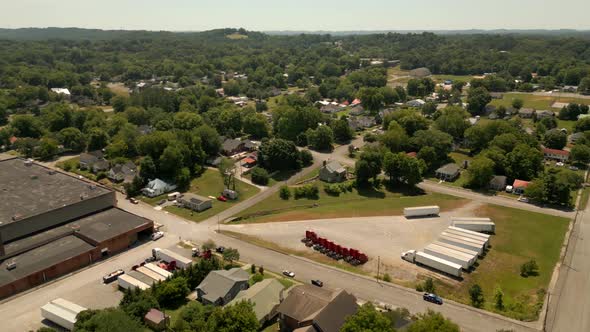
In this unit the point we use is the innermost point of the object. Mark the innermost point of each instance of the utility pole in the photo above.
(217, 223)
(378, 266)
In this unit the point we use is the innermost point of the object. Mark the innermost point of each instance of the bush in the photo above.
(529, 268)
(476, 295)
(332, 189)
(306, 158)
(387, 277)
(419, 287)
(253, 268)
(309, 191)
(285, 192)
(257, 278)
(260, 176)
(429, 285)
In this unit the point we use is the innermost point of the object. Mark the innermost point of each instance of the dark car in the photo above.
(317, 282)
(220, 250)
(432, 298)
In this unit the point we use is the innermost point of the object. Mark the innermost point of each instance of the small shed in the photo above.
(156, 319)
(448, 172)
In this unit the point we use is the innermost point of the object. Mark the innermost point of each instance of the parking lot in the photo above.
(383, 237)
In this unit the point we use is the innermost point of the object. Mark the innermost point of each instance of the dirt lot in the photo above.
(384, 237)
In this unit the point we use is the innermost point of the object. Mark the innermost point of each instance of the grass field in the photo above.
(119, 89)
(369, 202)
(210, 183)
(520, 236)
(72, 165)
(584, 199)
(536, 102)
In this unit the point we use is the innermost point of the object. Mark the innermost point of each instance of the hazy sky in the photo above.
(297, 14)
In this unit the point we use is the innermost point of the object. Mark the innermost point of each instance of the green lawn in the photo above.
(369, 202)
(210, 183)
(567, 124)
(520, 236)
(584, 198)
(71, 165)
(536, 102)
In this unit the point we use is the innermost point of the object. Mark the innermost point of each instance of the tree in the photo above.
(367, 319)
(529, 268)
(285, 192)
(371, 99)
(402, 168)
(256, 125)
(498, 298)
(97, 139)
(46, 149)
(582, 125)
(72, 138)
(429, 285)
(110, 319)
(187, 121)
(363, 173)
(524, 162)
(147, 169)
(239, 317)
(119, 103)
(260, 176)
(395, 138)
(342, 131)
(171, 159)
(137, 303)
(517, 103)
(476, 296)
(172, 291)
(231, 255)
(584, 86)
(555, 139)
(477, 99)
(453, 122)
(428, 155)
(321, 138)
(278, 154)
(580, 154)
(26, 126)
(374, 159)
(433, 321)
(480, 172)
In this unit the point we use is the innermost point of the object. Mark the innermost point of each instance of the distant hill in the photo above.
(561, 32)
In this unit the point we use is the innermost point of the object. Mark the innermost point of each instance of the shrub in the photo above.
(260, 176)
(419, 287)
(306, 157)
(285, 192)
(387, 277)
(253, 268)
(476, 295)
(529, 268)
(257, 278)
(333, 189)
(261, 270)
(429, 285)
(309, 191)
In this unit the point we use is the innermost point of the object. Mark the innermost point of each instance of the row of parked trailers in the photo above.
(333, 250)
(143, 277)
(456, 249)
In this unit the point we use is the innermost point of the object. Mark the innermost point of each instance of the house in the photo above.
(156, 320)
(473, 120)
(355, 102)
(526, 113)
(555, 154)
(122, 172)
(416, 103)
(357, 110)
(222, 286)
(519, 186)
(265, 296)
(157, 187)
(62, 91)
(544, 114)
(412, 154)
(250, 145)
(570, 88)
(573, 138)
(249, 162)
(308, 308)
(194, 202)
(498, 182)
(330, 109)
(232, 146)
(448, 172)
(361, 122)
(94, 161)
(332, 172)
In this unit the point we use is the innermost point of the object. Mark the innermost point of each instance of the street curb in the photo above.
(392, 285)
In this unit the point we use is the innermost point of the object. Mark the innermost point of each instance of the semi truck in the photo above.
(450, 255)
(61, 312)
(478, 239)
(421, 211)
(153, 267)
(457, 248)
(433, 262)
(170, 256)
(128, 282)
(475, 224)
(153, 275)
(463, 244)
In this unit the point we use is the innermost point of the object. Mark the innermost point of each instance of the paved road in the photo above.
(569, 308)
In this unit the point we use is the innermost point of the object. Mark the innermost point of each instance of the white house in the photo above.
(157, 187)
(61, 91)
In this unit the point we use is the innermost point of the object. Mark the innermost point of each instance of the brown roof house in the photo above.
(308, 308)
(332, 172)
(156, 319)
(220, 287)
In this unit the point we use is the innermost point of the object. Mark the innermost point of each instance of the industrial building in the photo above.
(52, 224)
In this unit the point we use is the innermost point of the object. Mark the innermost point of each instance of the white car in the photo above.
(157, 235)
(559, 164)
(523, 199)
(289, 274)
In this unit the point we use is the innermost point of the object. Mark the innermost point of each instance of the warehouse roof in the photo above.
(28, 189)
(108, 224)
(43, 257)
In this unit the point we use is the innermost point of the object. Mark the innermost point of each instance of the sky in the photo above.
(308, 15)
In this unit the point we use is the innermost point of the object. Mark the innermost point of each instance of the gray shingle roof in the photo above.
(218, 283)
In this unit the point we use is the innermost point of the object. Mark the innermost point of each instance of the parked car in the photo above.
(317, 282)
(573, 168)
(195, 252)
(220, 250)
(429, 297)
(157, 235)
(523, 199)
(112, 276)
(559, 164)
(133, 200)
(289, 274)
(222, 198)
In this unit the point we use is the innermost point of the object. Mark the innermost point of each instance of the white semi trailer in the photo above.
(450, 255)
(485, 242)
(461, 243)
(457, 248)
(127, 282)
(421, 211)
(151, 274)
(475, 224)
(61, 312)
(158, 270)
(433, 262)
(476, 242)
(170, 256)
(472, 233)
